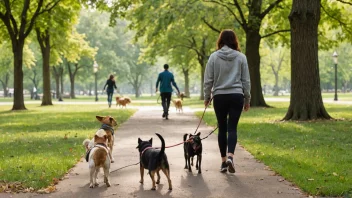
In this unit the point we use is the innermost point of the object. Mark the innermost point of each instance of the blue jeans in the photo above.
(110, 96)
(228, 109)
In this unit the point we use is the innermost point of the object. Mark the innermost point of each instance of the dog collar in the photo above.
(105, 126)
(146, 150)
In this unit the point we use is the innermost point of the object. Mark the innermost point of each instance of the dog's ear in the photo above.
(190, 135)
(139, 140)
(112, 121)
(151, 141)
(95, 137)
(100, 118)
(198, 134)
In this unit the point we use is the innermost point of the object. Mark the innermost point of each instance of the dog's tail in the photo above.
(86, 143)
(162, 150)
(185, 137)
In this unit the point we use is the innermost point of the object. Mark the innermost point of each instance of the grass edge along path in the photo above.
(40, 145)
(313, 155)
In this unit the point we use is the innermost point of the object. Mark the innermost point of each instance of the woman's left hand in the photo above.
(206, 102)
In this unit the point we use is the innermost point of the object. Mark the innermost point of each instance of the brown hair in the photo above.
(229, 38)
(111, 77)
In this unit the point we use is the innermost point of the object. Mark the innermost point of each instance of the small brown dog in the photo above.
(123, 101)
(108, 123)
(178, 104)
(98, 157)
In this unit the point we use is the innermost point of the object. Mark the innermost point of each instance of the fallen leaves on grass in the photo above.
(16, 187)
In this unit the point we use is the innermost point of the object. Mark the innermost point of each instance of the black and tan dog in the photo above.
(154, 160)
(193, 147)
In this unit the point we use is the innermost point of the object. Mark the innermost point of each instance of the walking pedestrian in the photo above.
(165, 79)
(227, 78)
(110, 83)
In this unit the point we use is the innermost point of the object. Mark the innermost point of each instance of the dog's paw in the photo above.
(190, 170)
(112, 160)
(157, 182)
(199, 172)
(170, 189)
(141, 181)
(154, 188)
(108, 184)
(91, 186)
(186, 167)
(96, 184)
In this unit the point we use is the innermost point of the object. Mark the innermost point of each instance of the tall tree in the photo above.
(78, 55)
(19, 18)
(250, 17)
(306, 101)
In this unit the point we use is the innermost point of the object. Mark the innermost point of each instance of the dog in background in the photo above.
(178, 104)
(123, 101)
(108, 123)
(192, 147)
(98, 157)
(154, 160)
(181, 95)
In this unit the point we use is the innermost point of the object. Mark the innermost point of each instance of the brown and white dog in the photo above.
(178, 104)
(98, 157)
(108, 123)
(123, 101)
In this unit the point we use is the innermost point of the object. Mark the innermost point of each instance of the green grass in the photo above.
(316, 156)
(33, 148)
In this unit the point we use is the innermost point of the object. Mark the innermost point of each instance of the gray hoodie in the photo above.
(227, 73)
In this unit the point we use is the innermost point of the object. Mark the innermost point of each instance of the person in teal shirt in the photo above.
(165, 79)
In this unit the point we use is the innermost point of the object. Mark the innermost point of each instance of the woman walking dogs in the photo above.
(110, 90)
(227, 79)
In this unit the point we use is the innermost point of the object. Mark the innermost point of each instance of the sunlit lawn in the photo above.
(316, 156)
(34, 149)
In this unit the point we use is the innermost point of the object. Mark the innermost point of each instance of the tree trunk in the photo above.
(61, 81)
(253, 57)
(44, 43)
(18, 99)
(57, 82)
(72, 75)
(306, 101)
(5, 84)
(276, 87)
(186, 76)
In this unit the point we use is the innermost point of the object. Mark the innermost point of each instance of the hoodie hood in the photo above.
(227, 53)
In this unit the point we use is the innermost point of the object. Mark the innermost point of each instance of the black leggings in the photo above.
(228, 109)
(165, 101)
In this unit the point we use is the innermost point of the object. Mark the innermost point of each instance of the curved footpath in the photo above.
(252, 179)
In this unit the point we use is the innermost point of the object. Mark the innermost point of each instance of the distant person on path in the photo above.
(110, 90)
(165, 79)
(226, 77)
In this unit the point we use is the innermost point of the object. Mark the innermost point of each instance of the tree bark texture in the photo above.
(253, 58)
(186, 76)
(57, 75)
(44, 43)
(306, 101)
(72, 75)
(18, 99)
(5, 83)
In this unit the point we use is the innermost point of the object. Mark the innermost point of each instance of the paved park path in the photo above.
(252, 179)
